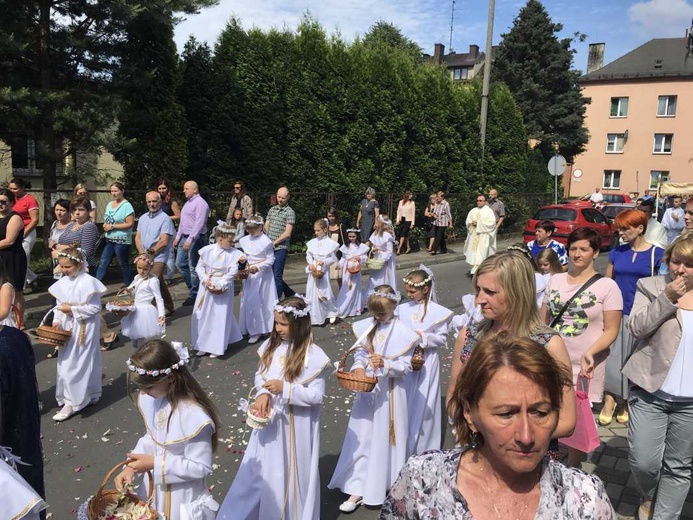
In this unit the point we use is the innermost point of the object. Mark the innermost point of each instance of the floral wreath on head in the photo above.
(353, 230)
(71, 257)
(223, 228)
(385, 221)
(395, 297)
(296, 313)
(184, 359)
(145, 257)
(254, 220)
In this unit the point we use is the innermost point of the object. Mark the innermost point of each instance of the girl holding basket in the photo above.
(279, 477)
(354, 257)
(319, 257)
(375, 446)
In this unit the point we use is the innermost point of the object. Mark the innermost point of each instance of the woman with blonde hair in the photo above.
(81, 190)
(505, 290)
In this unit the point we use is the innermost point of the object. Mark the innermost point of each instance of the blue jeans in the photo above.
(278, 270)
(187, 261)
(660, 438)
(170, 265)
(122, 253)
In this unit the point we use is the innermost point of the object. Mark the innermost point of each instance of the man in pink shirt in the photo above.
(191, 237)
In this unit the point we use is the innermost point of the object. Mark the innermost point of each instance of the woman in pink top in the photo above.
(591, 321)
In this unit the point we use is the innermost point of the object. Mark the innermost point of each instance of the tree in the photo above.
(151, 142)
(57, 60)
(536, 67)
(386, 34)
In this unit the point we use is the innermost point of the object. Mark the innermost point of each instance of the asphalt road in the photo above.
(80, 451)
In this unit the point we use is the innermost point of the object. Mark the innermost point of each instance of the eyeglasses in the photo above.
(481, 200)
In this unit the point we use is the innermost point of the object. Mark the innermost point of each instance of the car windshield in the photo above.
(612, 211)
(555, 214)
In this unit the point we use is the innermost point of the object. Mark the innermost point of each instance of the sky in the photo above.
(622, 25)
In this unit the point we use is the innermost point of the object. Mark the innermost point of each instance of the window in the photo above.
(459, 73)
(593, 216)
(615, 142)
(666, 106)
(612, 179)
(619, 107)
(662, 143)
(656, 176)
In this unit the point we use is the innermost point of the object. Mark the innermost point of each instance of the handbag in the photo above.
(585, 437)
(584, 286)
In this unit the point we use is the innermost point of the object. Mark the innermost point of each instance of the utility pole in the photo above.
(487, 81)
(452, 24)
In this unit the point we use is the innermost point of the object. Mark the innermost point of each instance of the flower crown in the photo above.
(254, 220)
(395, 297)
(223, 227)
(422, 283)
(145, 258)
(385, 221)
(296, 313)
(155, 373)
(353, 230)
(71, 257)
(526, 252)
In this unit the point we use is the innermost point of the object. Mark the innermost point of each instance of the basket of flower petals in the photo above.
(215, 287)
(317, 271)
(353, 265)
(111, 504)
(352, 381)
(122, 304)
(53, 336)
(374, 262)
(255, 421)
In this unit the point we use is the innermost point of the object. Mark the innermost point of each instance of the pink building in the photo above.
(640, 120)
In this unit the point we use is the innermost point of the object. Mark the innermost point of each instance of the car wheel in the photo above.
(615, 241)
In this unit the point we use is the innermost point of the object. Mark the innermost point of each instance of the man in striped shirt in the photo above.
(279, 226)
(442, 221)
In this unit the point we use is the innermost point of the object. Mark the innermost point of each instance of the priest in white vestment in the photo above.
(481, 224)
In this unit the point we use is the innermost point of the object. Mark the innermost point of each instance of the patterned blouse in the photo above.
(427, 489)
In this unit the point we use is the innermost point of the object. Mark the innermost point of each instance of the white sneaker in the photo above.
(350, 507)
(199, 353)
(333, 320)
(213, 356)
(253, 339)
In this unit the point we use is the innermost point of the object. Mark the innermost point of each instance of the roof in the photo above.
(463, 59)
(658, 58)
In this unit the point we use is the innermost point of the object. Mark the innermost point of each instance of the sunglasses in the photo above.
(236, 187)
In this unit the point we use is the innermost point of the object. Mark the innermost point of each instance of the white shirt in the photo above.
(596, 198)
(678, 382)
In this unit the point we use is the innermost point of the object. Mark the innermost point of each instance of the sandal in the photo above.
(108, 345)
(53, 354)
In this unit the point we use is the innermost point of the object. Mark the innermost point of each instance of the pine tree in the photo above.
(536, 67)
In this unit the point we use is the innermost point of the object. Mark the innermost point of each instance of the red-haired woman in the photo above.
(629, 262)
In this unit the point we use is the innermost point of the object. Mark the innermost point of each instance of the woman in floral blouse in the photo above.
(505, 410)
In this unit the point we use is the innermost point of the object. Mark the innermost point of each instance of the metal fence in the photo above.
(310, 206)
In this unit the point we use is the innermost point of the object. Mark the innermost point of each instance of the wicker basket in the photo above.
(374, 263)
(49, 335)
(122, 304)
(417, 358)
(242, 274)
(215, 290)
(353, 265)
(106, 497)
(255, 421)
(317, 271)
(351, 381)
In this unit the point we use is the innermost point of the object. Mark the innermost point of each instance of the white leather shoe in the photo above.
(213, 356)
(333, 320)
(253, 339)
(200, 353)
(350, 507)
(63, 416)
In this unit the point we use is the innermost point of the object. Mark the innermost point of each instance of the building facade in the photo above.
(639, 120)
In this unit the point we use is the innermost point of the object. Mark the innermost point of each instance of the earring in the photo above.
(475, 440)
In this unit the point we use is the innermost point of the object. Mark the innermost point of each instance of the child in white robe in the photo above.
(382, 243)
(375, 446)
(279, 475)
(181, 433)
(213, 325)
(19, 500)
(256, 316)
(430, 321)
(146, 321)
(319, 257)
(350, 297)
(78, 297)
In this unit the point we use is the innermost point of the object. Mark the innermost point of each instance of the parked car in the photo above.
(611, 210)
(609, 198)
(568, 217)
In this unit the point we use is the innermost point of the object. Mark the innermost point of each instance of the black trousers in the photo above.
(439, 242)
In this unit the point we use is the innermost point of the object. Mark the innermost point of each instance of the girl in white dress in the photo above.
(256, 316)
(78, 297)
(146, 321)
(430, 321)
(350, 298)
(279, 476)
(213, 325)
(382, 243)
(181, 433)
(375, 446)
(19, 500)
(319, 257)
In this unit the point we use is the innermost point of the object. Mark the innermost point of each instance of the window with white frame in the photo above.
(619, 107)
(666, 106)
(615, 142)
(459, 73)
(662, 143)
(657, 176)
(612, 179)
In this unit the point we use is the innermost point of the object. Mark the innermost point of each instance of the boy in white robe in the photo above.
(78, 297)
(213, 325)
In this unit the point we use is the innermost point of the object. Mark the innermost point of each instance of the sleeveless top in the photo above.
(470, 340)
(166, 207)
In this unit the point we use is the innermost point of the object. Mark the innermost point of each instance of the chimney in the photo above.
(438, 52)
(473, 51)
(595, 58)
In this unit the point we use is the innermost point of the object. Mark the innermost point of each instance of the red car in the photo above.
(568, 217)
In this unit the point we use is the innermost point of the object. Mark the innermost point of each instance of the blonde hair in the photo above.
(549, 256)
(681, 248)
(516, 276)
(381, 226)
(321, 223)
(378, 304)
